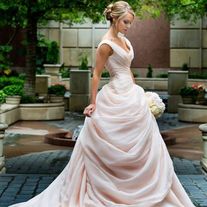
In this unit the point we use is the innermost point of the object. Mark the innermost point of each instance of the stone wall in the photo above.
(155, 42)
(188, 43)
(150, 40)
(76, 40)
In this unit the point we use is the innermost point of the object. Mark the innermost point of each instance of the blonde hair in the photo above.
(117, 10)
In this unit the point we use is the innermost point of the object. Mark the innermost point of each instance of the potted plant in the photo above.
(13, 94)
(49, 57)
(56, 92)
(188, 94)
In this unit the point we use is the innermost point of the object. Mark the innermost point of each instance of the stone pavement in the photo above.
(30, 174)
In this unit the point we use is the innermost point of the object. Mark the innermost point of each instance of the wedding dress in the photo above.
(120, 158)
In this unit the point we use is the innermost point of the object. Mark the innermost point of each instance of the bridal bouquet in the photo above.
(156, 104)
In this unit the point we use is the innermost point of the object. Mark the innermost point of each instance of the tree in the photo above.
(183, 9)
(28, 13)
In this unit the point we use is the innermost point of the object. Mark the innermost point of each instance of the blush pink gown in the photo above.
(120, 159)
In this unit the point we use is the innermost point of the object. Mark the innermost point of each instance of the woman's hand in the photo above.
(89, 110)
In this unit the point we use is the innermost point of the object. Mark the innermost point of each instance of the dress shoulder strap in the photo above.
(108, 42)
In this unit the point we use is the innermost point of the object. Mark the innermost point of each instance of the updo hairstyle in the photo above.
(117, 10)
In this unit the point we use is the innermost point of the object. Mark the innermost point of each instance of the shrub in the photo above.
(47, 52)
(188, 91)
(84, 63)
(6, 81)
(52, 56)
(185, 67)
(2, 97)
(150, 71)
(105, 74)
(162, 75)
(13, 90)
(57, 89)
(197, 76)
(65, 72)
(29, 99)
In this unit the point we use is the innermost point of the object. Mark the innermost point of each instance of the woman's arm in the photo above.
(103, 53)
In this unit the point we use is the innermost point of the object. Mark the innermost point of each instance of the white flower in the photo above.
(155, 103)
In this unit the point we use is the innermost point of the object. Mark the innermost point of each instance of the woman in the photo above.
(120, 159)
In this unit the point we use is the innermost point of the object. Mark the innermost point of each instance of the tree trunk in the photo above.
(31, 54)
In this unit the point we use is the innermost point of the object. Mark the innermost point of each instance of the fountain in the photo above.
(69, 138)
(63, 138)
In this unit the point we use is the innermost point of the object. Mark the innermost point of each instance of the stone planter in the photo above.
(52, 69)
(176, 80)
(203, 128)
(14, 100)
(42, 111)
(56, 99)
(3, 127)
(192, 113)
(10, 114)
(80, 81)
(80, 89)
(188, 99)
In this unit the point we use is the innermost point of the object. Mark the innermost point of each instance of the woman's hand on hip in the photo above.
(89, 110)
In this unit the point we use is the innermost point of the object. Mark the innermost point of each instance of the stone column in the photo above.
(203, 128)
(176, 80)
(2, 159)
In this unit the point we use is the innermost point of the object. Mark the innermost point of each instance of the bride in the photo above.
(120, 159)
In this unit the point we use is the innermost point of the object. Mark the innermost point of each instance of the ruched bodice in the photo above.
(120, 61)
(118, 65)
(120, 158)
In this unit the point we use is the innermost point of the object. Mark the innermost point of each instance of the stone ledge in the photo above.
(193, 106)
(10, 116)
(192, 113)
(7, 107)
(45, 105)
(47, 111)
